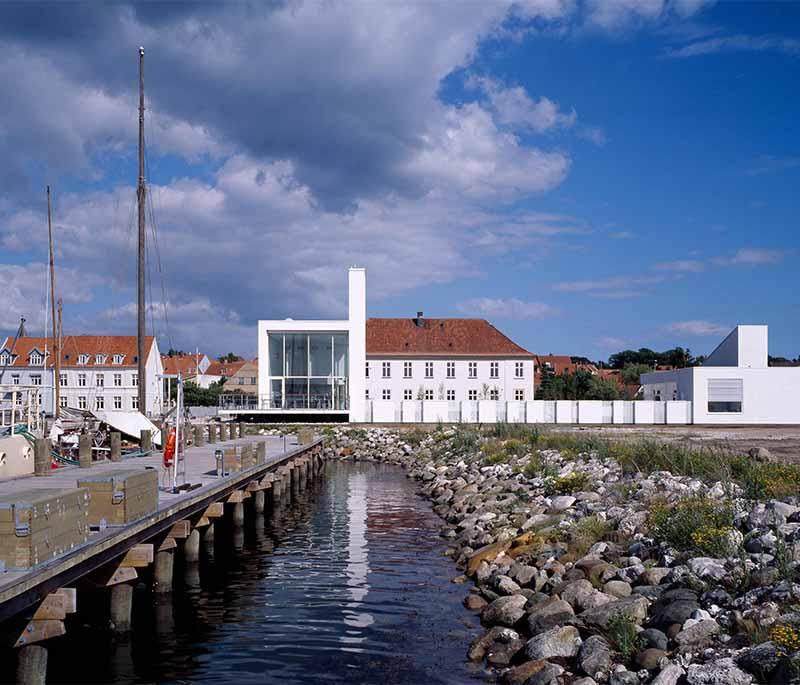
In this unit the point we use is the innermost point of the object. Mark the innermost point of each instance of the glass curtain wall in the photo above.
(308, 371)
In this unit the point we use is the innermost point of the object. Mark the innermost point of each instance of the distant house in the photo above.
(559, 364)
(244, 380)
(218, 371)
(97, 371)
(192, 367)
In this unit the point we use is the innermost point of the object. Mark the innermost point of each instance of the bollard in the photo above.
(231, 431)
(121, 606)
(32, 665)
(116, 446)
(212, 433)
(162, 573)
(258, 501)
(241, 429)
(42, 461)
(85, 450)
(221, 432)
(146, 440)
(198, 436)
(191, 547)
(261, 452)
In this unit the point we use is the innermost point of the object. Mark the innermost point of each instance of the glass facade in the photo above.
(308, 370)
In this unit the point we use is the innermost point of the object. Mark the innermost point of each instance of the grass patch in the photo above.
(565, 485)
(695, 523)
(589, 530)
(623, 634)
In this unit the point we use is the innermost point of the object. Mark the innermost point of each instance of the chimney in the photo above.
(418, 320)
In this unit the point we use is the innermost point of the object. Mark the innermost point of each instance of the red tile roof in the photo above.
(74, 345)
(226, 369)
(559, 363)
(450, 337)
(185, 363)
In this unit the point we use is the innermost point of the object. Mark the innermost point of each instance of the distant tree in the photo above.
(602, 389)
(172, 352)
(229, 358)
(677, 357)
(195, 396)
(630, 373)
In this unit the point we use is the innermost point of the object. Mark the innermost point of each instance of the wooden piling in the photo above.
(121, 607)
(85, 450)
(238, 514)
(162, 574)
(258, 501)
(116, 446)
(231, 431)
(42, 461)
(32, 665)
(261, 452)
(191, 547)
(212, 433)
(198, 436)
(146, 440)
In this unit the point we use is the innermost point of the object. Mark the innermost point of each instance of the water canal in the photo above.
(349, 584)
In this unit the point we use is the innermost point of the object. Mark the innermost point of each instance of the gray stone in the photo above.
(561, 503)
(655, 574)
(668, 675)
(556, 642)
(653, 637)
(572, 592)
(635, 607)
(522, 674)
(548, 614)
(623, 678)
(719, 672)
(594, 655)
(650, 658)
(707, 568)
(547, 675)
(505, 611)
(760, 660)
(697, 633)
(617, 588)
(525, 574)
(503, 585)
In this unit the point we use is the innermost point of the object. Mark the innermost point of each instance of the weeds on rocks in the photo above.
(623, 633)
(700, 523)
(784, 559)
(564, 485)
(589, 530)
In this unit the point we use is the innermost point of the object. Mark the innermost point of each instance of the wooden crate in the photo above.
(40, 524)
(120, 497)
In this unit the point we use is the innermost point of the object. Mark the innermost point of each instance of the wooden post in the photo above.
(165, 562)
(241, 429)
(146, 440)
(116, 446)
(231, 431)
(212, 433)
(42, 461)
(198, 436)
(85, 450)
(191, 547)
(277, 486)
(238, 514)
(261, 452)
(221, 432)
(32, 665)
(258, 501)
(208, 535)
(121, 607)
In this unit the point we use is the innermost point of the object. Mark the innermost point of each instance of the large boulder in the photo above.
(504, 611)
(634, 607)
(548, 614)
(668, 675)
(556, 642)
(697, 634)
(524, 673)
(594, 655)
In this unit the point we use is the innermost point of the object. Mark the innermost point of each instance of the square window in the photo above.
(519, 370)
(472, 370)
(387, 394)
(519, 394)
(494, 370)
(387, 369)
(429, 394)
(408, 394)
(36, 379)
(406, 369)
(451, 395)
(62, 401)
(451, 369)
(429, 370)
(472, 395)
(494, 394)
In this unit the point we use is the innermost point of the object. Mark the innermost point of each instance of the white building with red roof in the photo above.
(97, 372)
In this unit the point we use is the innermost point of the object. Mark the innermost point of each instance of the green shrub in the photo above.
(698, 523)
(513, 447)
(465, 440)
(623, 634)
(765, 480)
(589, 530)
(564, 485)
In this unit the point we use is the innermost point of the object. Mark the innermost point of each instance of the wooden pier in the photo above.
(34, 602)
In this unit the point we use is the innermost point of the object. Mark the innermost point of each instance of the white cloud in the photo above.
(615, 286)
(681, 266)
(696, 328)
(737, 43)
(751, 256)
(611, 343)
(593, 133)
(512, 308)
(615, 15)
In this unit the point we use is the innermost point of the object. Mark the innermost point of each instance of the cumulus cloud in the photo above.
(512, 308)
(697, 328)
(751, 256)
(616, 15)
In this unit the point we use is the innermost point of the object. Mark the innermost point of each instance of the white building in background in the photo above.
(735, 384)
(98, 372)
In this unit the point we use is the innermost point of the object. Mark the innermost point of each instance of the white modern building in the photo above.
(735, 384)
(98, 372)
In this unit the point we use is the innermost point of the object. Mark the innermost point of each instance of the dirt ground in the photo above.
(782, 441)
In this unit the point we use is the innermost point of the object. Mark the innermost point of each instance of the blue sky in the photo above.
(587, 175)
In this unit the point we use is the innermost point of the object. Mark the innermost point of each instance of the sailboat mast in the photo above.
(56, 346)
(140, 196)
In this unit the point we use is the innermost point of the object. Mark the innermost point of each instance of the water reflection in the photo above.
(346, 585)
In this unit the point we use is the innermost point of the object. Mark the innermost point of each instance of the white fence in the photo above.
(593, 412)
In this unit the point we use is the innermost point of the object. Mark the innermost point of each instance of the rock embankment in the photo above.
(586, 573)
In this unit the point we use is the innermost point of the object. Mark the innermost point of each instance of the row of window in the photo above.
(100, 402)
(99, 379)
(450, 395)
(450, 369)
(247, 380)
(36, 358)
